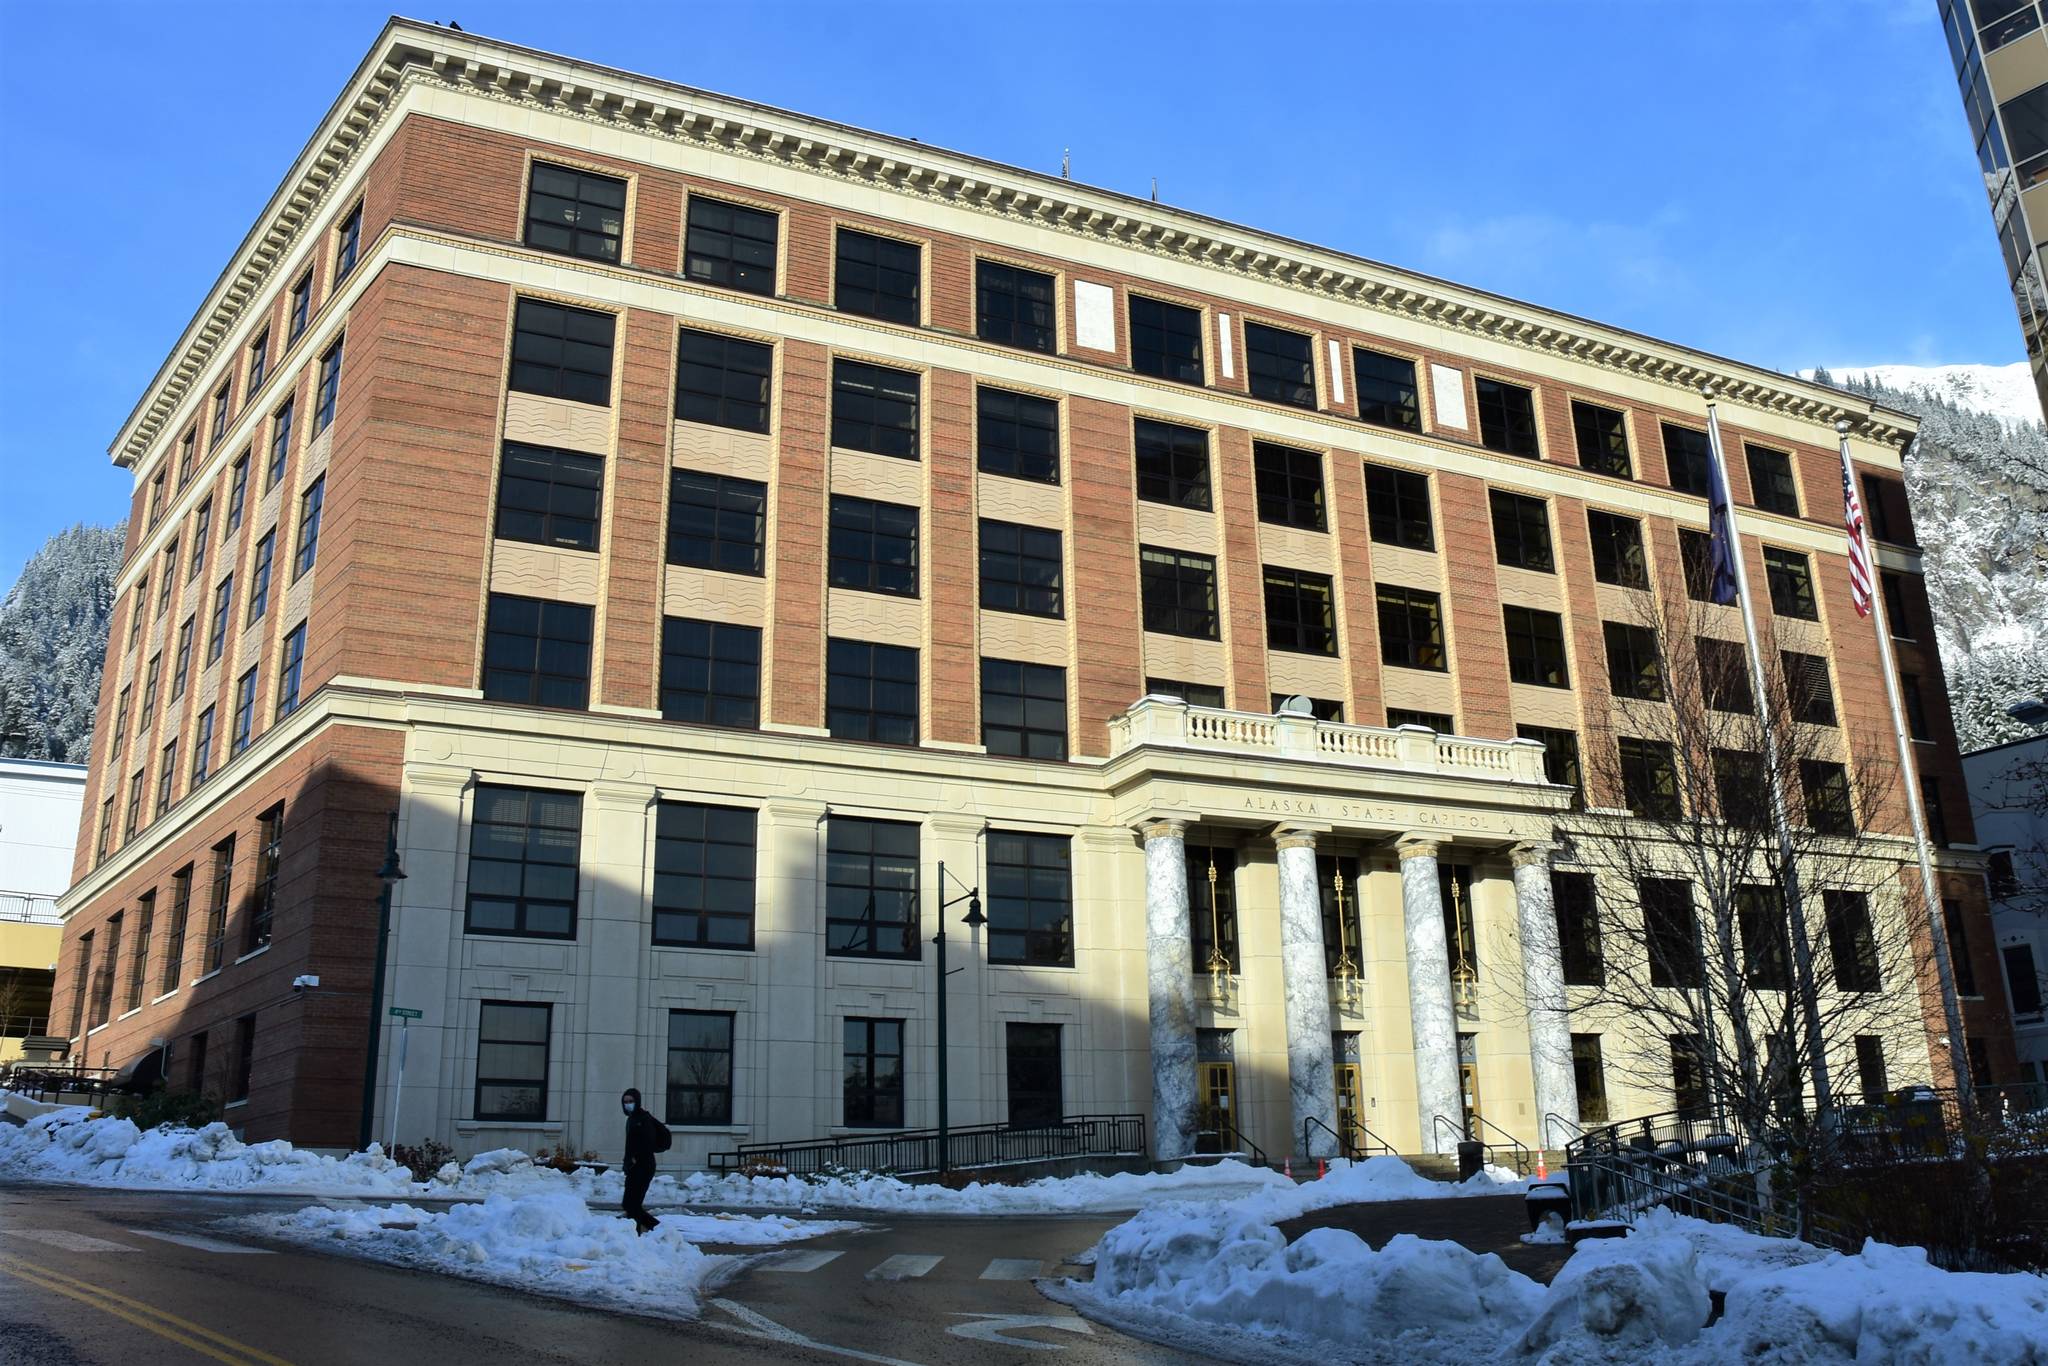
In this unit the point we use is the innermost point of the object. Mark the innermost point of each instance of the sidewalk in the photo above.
(1483, 1223)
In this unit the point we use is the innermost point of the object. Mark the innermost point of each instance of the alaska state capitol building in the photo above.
(698, 522)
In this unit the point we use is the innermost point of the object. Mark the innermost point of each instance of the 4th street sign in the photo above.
(404, 1013)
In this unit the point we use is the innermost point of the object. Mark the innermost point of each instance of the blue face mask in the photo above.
(627, 1106)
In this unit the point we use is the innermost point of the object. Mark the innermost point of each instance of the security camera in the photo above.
(304, 980)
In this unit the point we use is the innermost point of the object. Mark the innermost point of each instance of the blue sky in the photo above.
(1788, 183)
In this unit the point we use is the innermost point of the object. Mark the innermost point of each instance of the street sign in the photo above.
(404, 1013)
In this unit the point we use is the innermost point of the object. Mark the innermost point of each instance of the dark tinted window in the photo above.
(327, 388)
(723, 380)
(878, 276)
(1166, 340)
(562, 352)
(1649, 779)
(512, 1061)
(1724, 675)
(870, 888)
(1578, 928)
(1829, 807)
(873, 1074)
(873, 546)
(1791, 584)
(1696, 561)
(575, 212)
(1601, 435)
(1687, 457)
(1178, 591)
(348, 241)
(1617, 549)
(1280, 365)
(1507, 417)
(1429, 720)
(1411, 628)
(1030, 899)
(716, 522)
(1013, 306)
(871, 691)
(710, 672)
(874, 409)
(1560, 754)
(699, 1067)
(1290, 486)
(1852, 941)
(1807, 688)
(1301, 612)
(1021, 569)
(732, 246)
(1018, 435)
(1635, 667)
(549, 496)
(1521, 531)
(1770, 480)
(1387, 394)
(1173, 463)
(1536, 647)
(523, 845)
(703, 876)
(1194, 694)
(1023, 709)
(537, 651)
(1397, 508)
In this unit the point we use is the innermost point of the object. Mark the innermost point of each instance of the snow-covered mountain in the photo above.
(2003, 391)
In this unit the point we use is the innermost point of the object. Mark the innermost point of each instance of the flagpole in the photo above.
(1788, 872)
(1909, 772)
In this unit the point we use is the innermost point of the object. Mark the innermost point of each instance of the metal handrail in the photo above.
(1551, 1117)
(915, 1151)
(1309, 1123)
(1523, 1161)
(1356, 1151)
(1439, 1123)
(1245, 1147)
(1370, 1140)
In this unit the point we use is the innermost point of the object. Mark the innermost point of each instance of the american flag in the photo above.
(1859, 554)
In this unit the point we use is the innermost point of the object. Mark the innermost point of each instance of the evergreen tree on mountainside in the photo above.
(53, 639)
(1978, 484)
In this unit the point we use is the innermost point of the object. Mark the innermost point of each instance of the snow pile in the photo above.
(69, 1145)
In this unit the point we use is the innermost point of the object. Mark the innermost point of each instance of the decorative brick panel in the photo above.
(1479, 655)
(795, 674)
(638, 491)
(951, 549)
(1108, 646)
(1243, 577)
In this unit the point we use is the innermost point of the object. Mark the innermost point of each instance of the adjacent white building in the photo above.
(2009, 797)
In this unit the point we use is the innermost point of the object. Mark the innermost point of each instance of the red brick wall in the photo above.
(638, 483)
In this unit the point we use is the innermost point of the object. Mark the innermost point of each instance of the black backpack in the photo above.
(662, 1137)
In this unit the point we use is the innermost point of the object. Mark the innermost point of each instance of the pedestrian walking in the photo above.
(645, 1136)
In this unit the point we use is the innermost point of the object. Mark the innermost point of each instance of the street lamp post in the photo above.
(973, 920)
(388, 877)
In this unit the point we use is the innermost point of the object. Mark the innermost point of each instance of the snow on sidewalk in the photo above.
(1228, 1272)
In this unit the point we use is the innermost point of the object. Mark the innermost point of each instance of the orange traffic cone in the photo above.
(1322, 1168)
(1542, 1171)
(1287, 1167)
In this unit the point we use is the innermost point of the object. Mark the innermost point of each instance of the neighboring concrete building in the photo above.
(39, 808)
(698, 522)
(2000, 51)
(2009, 798)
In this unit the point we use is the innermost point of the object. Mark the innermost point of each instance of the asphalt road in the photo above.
(121, 1278)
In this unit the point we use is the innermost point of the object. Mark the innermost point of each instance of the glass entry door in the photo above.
(1468, 1077)
(1216, 1116)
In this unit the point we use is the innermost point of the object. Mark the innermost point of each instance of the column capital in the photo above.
(1162, 827)
(1532, 854)
(427, 777)
(1296, 836)
(1416, 846)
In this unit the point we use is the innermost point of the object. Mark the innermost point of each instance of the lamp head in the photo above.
(391, 873)
(974, 919)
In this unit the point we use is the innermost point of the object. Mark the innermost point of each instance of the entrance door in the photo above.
(1216, 1091)
(1468, 1077)
(1350, 1090)
(1034, 1061)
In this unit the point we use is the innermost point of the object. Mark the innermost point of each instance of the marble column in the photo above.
(1430, 1009)
(1311, 1080)
(1169, 954)
(1550, 1038)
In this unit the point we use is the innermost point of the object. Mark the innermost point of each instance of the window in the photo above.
(1687, 458)
(1521, 531)
(562, 352)
(1649, 778)
(1931, 811)
(1909, 694)
(280, 444)
(107, 827)
(699, 1067)
(1895, 605)
(1791, 584)
(873, 546)
(703, 876)
(202, 749)
(1696, 560)
(1340, 931)
(1013, 306)
(575, 212)
(310, 504)
(166, 776)
(1560, 754)
(512, 1060)
(1870, 1075)
(549, 497)
(1689, 1075)
(1980, 1060)
(717, 522)
(134, 821)
(1030, 899)
(1617, 549)
(263, 897)
(1739, 787)
(1635, 667)
(873, 1085)
(722, 380)
(259, 575)
(181, 667)
(202, 537)
(1290, 486)
(1536, 647)
(1301, 613)
(878, 276)
(1397, 508)
(1589, 1079)
(290, 665)
(1432, 720)
(523, 845)
(1173, 463)
(1018, 435)
(2001, 877)
(710, 673)
(1166, 340)
(1024, 709)
(120, 725)
(149, 688)
(871, 888)
(1876, 508)
(1766, 955)
(1771, 484)
(259, 360)
(1280, 365)
(238, 494)
(348, 242)
(1212, 907)
(874, 409)
(1578, 929)
(138, 610)
(1021, 569)
(245, 714)
(301, 308)
(1387, 395)
(168, 578)
(1178, 592)
(1670, 932)
(1829, 808)
(2023, 980)
(871, 691)
(328, 385)
(1507, 417)
(188, 448)
(156, 498)
(1724, 675)
(1032, 1054)
(217, 906)
(1806, 688)
(731, 246)
(1852, 942)
(1601, 435)
(197, 1060)
(537, 651)
(245, 1058)
(1194, 694)
(1411, 628)
(220, 428)
(79, 1019)
(138, 959)
(174, 937)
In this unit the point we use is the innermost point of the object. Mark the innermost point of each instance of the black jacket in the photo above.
(641, 1138)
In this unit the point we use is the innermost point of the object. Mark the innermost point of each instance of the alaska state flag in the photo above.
(1721, 523)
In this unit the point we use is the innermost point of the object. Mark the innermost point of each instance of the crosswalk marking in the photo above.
(68, 1240)
(199, 1244)
(904, 1266)
(1012, 1269)
(801, 1261)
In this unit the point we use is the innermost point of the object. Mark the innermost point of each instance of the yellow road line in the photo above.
(200, 1339)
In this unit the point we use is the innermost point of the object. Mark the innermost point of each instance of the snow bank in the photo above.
(70, 1145)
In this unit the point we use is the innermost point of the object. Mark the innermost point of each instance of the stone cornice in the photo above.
(409, 52)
